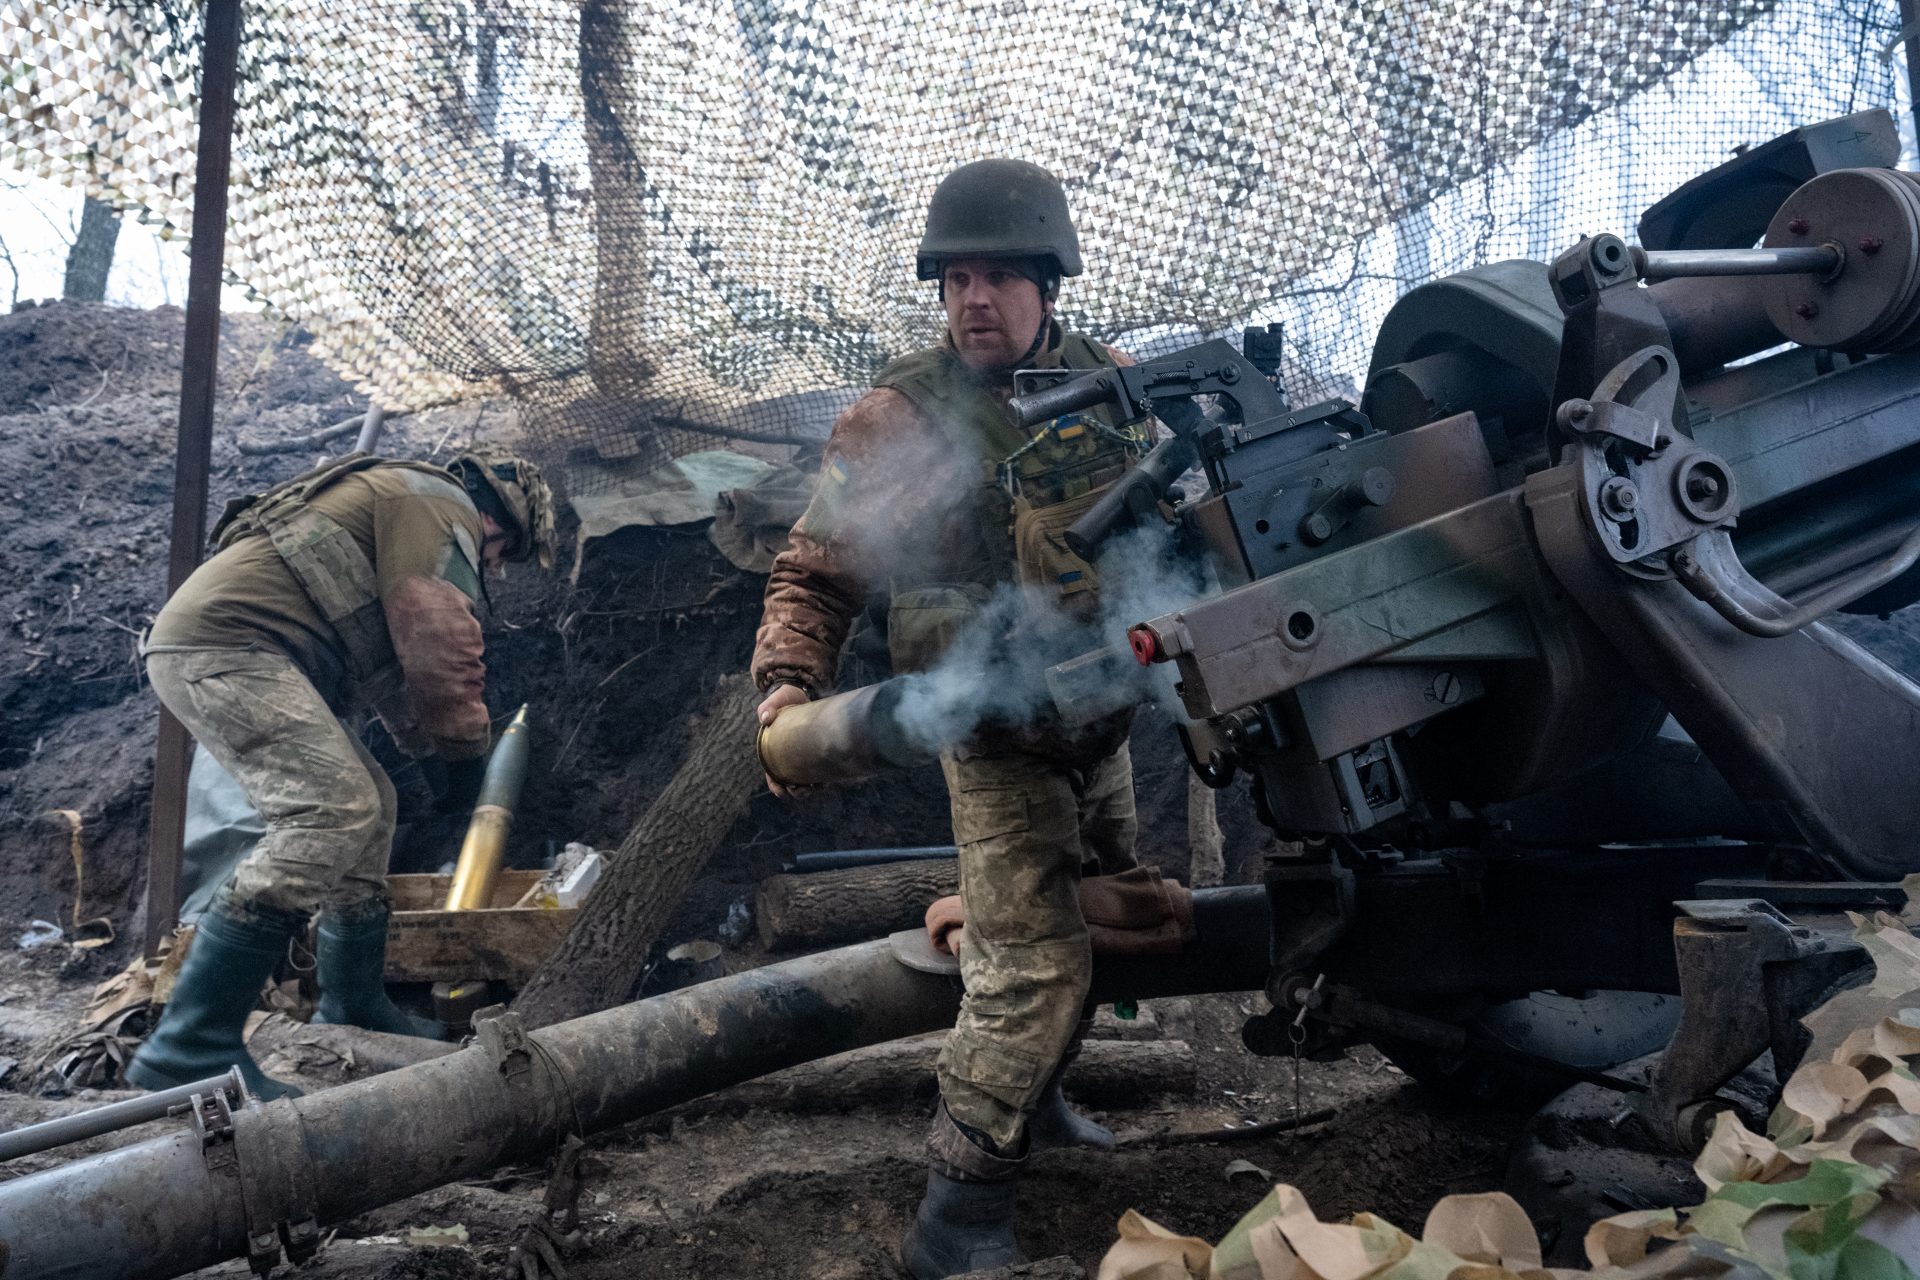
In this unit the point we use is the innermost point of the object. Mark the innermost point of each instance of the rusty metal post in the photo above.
(193, 452)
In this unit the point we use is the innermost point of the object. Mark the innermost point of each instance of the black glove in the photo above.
(462, 790)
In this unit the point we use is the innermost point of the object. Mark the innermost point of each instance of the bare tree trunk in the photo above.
(90, 257)
(1206, 856)
(610, 61)
(605, 952)
(824, 907)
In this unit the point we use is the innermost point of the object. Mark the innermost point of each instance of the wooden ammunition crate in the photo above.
(427, 943)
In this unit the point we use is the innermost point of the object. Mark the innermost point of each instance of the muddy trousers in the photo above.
(1026, 828)
(328, 807)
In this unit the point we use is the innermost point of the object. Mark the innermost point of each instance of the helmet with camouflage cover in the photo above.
(998, 209)
(511, 490)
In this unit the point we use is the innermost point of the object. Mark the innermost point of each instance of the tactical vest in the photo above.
(1031, 485)
(328, 564)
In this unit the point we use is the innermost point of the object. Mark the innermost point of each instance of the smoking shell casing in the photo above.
(844, 738)
(485, 846)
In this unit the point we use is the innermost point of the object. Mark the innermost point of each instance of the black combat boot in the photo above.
(350, 968)
(1052, 1122)
(965, 1221)
(202, 1030)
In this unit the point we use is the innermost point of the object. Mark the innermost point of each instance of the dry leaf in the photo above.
(1241, 1168)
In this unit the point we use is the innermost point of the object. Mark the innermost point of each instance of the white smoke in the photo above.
(994, 673)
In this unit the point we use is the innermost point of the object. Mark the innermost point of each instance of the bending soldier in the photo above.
(350, 587)
(929, 491)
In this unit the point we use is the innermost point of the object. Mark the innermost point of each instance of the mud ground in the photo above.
(614, 668)
(711, 1190)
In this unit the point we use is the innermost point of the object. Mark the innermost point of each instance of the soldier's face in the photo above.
(992, 312)
(494, 550)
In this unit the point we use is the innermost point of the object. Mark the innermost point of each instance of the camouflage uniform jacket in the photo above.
(908, 503)
(422, 536)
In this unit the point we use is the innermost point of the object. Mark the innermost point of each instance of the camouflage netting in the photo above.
(647, 220)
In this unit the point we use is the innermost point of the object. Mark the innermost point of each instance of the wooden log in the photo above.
(1107, 1074)
(602, 957)
(826, 908)
(330, 1053)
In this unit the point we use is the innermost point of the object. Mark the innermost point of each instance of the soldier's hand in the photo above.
(777, 700)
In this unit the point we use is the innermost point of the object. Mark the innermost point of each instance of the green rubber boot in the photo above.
(202, 1031)
(350, 968)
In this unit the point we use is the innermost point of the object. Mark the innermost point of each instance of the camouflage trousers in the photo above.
(1026, 829)
(328, 807)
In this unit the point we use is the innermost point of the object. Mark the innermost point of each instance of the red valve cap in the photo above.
(1146, 646)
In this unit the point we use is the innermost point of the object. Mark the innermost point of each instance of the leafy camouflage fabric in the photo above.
(1831, 1191)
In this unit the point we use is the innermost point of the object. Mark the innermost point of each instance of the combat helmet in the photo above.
(506, 485)
(998, 209)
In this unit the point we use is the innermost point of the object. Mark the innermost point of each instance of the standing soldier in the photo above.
(353, 586)
(929, 490)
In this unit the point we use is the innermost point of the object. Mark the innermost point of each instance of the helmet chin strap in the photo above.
(1039, 341)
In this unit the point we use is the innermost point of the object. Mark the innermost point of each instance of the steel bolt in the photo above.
(1807, 310)
(1619, 499)
(1798, 226)
(1872, 245)
(1445, 688)
(1702, 487)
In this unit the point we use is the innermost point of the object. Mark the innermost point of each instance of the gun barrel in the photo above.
(1668, 264)
(1099, 387)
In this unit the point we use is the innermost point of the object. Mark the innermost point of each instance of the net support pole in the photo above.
(1910, 34)
(193, 451)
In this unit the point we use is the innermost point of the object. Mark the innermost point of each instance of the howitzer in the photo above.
(1459, 615)
(1457, 619)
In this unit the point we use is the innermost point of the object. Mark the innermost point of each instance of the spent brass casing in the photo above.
(844, 738)
(485, 847)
